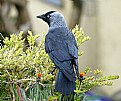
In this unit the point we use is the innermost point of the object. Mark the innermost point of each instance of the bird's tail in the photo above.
(64, 85)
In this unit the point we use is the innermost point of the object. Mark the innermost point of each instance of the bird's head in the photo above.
(53, 19)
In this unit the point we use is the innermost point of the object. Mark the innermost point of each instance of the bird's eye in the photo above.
(48, 16)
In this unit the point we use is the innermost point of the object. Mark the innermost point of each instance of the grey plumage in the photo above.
(62, 49)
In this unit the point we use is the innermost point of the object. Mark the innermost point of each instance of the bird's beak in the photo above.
(43, 17)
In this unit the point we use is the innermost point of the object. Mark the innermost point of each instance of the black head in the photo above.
(45, 17)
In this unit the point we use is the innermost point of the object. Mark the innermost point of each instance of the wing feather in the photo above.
(62, 49)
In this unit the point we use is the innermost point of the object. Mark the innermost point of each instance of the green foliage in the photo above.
(79, 35)
(96, 80)
(19, 70)
(17, 64)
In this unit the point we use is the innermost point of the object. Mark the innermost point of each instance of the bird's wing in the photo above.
(62, 43)
(61, 49)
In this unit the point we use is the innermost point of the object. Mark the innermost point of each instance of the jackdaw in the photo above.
(61, 46)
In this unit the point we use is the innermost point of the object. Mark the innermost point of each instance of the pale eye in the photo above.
(48, 16)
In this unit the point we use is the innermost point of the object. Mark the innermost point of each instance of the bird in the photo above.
(61, 46)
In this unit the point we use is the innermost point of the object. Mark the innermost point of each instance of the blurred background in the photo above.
(100, 19)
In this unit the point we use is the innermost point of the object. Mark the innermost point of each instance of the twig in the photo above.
(8, 74)
(2, 36)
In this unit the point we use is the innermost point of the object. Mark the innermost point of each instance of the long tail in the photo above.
(65, 81)
(64, 85)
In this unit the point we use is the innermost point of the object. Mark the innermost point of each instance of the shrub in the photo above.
(27, 74)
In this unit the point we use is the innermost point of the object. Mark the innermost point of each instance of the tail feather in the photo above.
(65, 81)
(64, 85)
